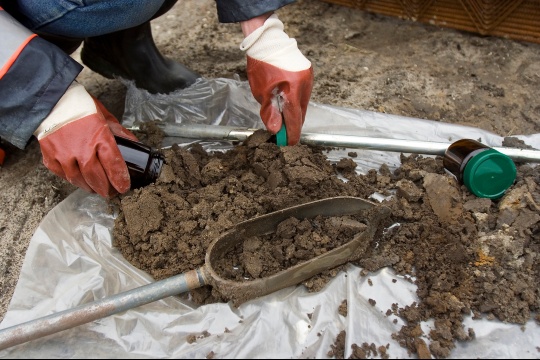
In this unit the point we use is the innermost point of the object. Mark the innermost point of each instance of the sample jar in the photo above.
(486, 172)
(144, 162)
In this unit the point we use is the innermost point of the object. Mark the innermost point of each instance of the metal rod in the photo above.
(98, 309)
(207, 132)
(405, 146)
(231, 133)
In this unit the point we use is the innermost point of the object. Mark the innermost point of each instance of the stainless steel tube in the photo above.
(405, 146)
(98, 309)
(207, 132)
(218, 132)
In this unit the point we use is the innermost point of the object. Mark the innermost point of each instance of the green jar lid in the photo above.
(489, 174)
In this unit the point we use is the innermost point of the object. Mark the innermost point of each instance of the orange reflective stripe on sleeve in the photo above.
(15, 38)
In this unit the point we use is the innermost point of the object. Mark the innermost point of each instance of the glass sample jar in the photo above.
(144, 162)
(486, 172)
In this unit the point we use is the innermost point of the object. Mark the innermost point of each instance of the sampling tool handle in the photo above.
(281, 136)
(98, 309)
(232, 133)
(205, 132)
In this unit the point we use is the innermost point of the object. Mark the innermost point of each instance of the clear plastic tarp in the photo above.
(70, 261)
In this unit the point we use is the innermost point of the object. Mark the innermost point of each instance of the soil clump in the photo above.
(466, 255)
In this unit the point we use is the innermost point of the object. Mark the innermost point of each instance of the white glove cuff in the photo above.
(75, 104)
(272, 45)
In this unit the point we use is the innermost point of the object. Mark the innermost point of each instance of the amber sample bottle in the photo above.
(144, 162)
(486, 172)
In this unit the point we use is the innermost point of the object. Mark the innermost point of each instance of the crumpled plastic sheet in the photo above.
(70, 261)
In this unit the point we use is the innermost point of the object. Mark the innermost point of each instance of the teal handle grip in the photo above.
(281, 136)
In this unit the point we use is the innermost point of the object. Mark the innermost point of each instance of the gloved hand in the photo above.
(280, 77)
(77, 144)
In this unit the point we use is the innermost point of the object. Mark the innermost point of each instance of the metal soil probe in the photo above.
(206, 274)
(235, 133)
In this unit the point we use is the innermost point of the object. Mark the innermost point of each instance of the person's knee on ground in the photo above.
(130, 54)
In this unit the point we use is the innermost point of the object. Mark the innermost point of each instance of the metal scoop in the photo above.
(237, 291)
(240, 292)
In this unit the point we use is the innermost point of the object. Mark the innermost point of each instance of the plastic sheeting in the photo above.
(71, 261)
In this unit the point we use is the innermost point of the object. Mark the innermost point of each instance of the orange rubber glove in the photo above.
(77, 143)
(280, 77)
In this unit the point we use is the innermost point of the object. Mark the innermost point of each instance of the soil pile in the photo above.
(466, 255)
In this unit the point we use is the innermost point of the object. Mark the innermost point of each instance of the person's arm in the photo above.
(34, 74)
(280, 76)
(77, 143)
(251, 25)
(39, 97)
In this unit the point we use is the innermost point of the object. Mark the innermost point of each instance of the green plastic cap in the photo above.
(489, 174)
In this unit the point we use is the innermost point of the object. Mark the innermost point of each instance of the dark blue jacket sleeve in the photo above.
(34, 74)
(230, 11)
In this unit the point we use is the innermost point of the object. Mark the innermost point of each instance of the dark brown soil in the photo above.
(466, 255)
(361, 61)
